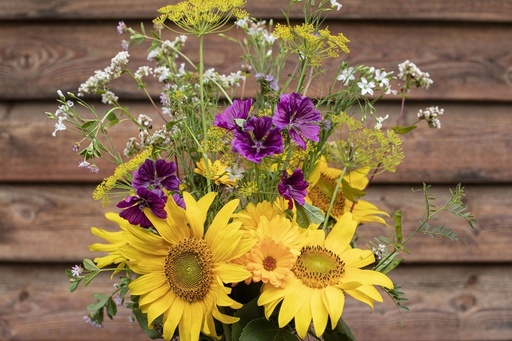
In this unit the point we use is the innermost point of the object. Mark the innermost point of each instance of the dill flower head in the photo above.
(201, 17)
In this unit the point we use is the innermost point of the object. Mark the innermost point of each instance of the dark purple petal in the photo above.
(258, 139)
(238, 110)
(299, 115)
(133, 207)
(179, 200)
(293, 187)
(155, 176)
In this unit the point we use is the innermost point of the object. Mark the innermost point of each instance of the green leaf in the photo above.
(351, 193)
(400, 130)
(111, 308)
(265, 330)
(340, 333)
(309, 214)
(90, 265)
(398, 226)
(249, 312)
(142, 319)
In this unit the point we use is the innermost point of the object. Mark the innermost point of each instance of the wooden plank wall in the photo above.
(455, 291)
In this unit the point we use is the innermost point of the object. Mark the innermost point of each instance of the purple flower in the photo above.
(179, 200)
(293, 187)
(134, 206)
(268, 80)
(238, 110)
(156, 175)
(300, 116)
(257, 139)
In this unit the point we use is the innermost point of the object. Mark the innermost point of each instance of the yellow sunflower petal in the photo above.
(147, 283)
(174, 228)
(159, 306)
(303, 320)
(369, 277)
(172, 318)
(319, 312)
(357, 178)
(222, 218)
(334, 300)
(196, 212)
(291, 305)
(147, 265)
(232, 273)
(339, 238)
(357, 258)
(145, 241)
(223, 318)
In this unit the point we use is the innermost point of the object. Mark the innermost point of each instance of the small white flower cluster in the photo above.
(168, 48)
(225, 81)
(90, 166)
(431, 116)
(145, 121)
(62, 114)
(162, 72)
(99, 81)
(379, 120)
(89, 320)
(257, 30)
(336, 4)
(161, 137)
(76, 270)
(409, 72)
(370, 80)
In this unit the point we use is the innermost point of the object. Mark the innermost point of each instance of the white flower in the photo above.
(379, 120)
(346, 76)
(59, 125)
(365, 86)
(76, 270)
(336, 4)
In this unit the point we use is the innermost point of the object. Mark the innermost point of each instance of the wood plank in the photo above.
(471, 147)
(463, 302)
(52, 223)
(466, 61)
(454, 10)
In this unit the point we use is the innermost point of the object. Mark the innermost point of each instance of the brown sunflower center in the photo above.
(318, 267)
(269, 264)
(322, 193)
(189, 269)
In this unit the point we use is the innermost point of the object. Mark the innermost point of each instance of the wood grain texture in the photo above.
(463, 302)
(52, 223)
(466, 61)
(471, 147)
(453, 10)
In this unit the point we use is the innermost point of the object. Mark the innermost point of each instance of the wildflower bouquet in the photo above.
(237, 215)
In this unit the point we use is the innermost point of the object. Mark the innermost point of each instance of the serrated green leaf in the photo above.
(264, 330)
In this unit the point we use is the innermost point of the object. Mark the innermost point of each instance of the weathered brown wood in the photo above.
(453, 10)
(471, 147)
(52, 223)
(464, 302)
(466, 61)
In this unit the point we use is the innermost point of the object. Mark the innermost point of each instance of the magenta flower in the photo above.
(134, 205)
(238, 110)
(257, 139)
(293, 187)
(299, 115)
(155, 176)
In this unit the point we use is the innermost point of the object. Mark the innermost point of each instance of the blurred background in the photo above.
(456, 291)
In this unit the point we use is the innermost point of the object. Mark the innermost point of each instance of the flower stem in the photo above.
(333, 198)
(202, 107)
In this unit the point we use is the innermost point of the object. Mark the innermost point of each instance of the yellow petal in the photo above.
(141, 266)
(159, 306)
(232, 273)
(357, 178)
(222, 218)
(175, 227)
(319, 312)
(292, 303)
(223, 318)
(357, 258)
(303, 320)
(196, 212)
(368, 277)
(172, 318)
(147, 283)
(339, 238)
(334, 300)
(145, 241)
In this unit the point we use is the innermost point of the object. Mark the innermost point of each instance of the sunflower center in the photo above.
(318, 267)
(189, 269)
(322, 193)
(269, 263)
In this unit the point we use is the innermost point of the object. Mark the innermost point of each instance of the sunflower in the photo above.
(326, 269)
(182, 269)
(323, 181)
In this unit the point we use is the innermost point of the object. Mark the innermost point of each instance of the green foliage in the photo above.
(264, 330)
(340, 333)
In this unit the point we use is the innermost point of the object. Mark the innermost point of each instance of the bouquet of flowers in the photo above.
(237, 216)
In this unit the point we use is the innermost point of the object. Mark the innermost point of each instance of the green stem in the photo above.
(202, 108)
(333, 198)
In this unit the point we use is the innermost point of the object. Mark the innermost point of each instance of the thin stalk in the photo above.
(333, 198)
(202, 107)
